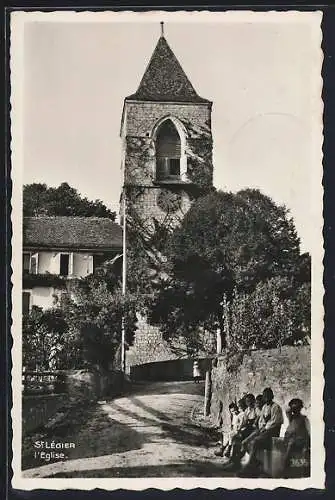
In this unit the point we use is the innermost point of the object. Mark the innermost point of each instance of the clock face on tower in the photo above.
(168, 201)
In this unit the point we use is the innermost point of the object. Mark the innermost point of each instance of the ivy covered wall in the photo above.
(140, 119)
(145, 213)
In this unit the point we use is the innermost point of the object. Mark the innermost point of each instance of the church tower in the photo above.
(167, 140)
(166, 163)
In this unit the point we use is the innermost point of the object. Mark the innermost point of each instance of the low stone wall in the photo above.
(37, 410)
(90, 385)
(172, 370)
(80, 386)
(287, 371)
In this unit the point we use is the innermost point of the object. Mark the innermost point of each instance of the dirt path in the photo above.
(148, 433)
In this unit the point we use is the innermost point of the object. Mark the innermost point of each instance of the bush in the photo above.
(277, 313)
(43, 335)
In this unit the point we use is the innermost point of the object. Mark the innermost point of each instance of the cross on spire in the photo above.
(162, 28)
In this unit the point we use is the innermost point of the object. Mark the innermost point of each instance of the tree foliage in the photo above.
(85, 328)
(276, 313)
(233, 265)
(94, 313)
(233, 246)
(39, 199)
(44, 344)
(243, 237)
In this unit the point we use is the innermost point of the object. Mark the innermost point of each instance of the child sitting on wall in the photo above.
(296, 438)
(234, 424)
(239, 422)
(269, 425)
(248, 426)
(259, 404)
(250, 416)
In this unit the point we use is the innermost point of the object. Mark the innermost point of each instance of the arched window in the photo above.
(168, 152)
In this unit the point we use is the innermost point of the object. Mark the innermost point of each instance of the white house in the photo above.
(57, 250)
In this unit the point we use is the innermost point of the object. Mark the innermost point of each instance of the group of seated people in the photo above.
(254, 422)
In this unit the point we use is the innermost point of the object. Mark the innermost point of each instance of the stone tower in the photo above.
(167, 140)
(166, 163)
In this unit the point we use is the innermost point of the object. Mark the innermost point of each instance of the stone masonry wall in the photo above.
(142, 116)
(146, 206)
(37, 409)
(140, 120)
(286, 371)
(80, 386)
(150, 347)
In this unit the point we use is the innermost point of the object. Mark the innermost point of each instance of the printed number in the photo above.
(299, 462)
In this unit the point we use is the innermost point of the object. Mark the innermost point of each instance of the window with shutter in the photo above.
(64, 264)
(30, 263)
(25, 302)
(26, 263)
(34, 264)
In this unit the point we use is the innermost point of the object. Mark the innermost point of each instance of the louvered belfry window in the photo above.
(168, 151)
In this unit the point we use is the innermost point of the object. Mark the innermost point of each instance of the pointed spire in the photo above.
(164, 79)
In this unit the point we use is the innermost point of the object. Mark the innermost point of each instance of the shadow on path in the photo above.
(149, 409)
(160, 388)
(99, 435)
(181, 432)
(189, 469)
(131, 423)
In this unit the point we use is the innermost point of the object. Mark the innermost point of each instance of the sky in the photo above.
(258, 74)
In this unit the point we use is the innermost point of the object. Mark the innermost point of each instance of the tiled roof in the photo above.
(72, 232)
(164, 79)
